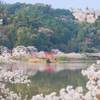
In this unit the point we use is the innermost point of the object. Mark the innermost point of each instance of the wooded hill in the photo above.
(46, 28)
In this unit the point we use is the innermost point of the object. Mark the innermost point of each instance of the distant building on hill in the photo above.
(1, 21)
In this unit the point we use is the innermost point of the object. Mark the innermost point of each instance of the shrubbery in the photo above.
(48, 61)
(62, 58)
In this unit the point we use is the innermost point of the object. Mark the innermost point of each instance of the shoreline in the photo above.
(63, 61)
(77, 61)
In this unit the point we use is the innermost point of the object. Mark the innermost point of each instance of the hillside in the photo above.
(46, 28)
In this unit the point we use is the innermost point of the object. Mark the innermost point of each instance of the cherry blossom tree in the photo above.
(89, 15)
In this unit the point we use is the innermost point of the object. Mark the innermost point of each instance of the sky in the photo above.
(63, 4)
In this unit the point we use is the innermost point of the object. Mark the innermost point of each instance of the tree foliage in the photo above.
(46, 28)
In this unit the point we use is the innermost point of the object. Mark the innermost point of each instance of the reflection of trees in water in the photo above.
(46, 81)
(60, 80)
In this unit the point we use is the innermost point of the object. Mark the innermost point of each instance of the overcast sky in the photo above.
(66, 4)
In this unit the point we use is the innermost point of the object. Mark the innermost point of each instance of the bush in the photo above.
(62, 58)
(48, 61)
(88, 50)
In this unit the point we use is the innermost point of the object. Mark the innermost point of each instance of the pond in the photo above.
(47, 78)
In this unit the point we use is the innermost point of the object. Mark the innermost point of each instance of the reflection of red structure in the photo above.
(48, 55)
(49, 68)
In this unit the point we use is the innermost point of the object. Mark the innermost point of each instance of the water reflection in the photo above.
(31, 69)
(46, 78)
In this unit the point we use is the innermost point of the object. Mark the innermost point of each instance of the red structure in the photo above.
(49, 68)
(48, 55)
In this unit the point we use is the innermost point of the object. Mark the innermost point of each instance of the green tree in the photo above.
(80, 36)
(19, 16)
(23, 40)
(65, 36)
(31, 29)
(69, 46)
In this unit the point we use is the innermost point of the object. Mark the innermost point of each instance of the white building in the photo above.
(1, 21)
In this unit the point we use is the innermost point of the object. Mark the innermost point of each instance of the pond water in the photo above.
(47, 78)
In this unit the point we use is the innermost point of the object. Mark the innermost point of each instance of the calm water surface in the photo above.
(47, 78)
